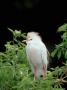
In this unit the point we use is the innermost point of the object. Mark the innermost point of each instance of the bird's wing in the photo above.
(44, 56)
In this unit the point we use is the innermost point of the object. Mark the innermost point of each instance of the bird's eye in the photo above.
(30, 39)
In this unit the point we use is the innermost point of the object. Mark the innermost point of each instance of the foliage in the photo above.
(61, 49)
(15, 73)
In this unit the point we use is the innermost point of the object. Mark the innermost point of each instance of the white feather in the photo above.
(36, 53)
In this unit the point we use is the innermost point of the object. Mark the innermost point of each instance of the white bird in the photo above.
(36, 54)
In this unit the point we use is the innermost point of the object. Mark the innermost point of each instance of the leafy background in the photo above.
(15, 72)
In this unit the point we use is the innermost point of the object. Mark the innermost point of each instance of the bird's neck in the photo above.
(34, 41)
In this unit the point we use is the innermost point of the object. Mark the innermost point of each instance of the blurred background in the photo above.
(32, 15)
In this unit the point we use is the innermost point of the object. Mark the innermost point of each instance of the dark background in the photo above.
(32, 15)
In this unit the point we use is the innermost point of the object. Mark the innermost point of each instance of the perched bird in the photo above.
(37, 55)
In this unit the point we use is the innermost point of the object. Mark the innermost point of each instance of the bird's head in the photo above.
(33, 36)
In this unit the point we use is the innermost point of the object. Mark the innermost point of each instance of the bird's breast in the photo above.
(34, 54)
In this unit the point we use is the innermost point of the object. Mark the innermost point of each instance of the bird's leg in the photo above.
(44, 71)
(35, 72)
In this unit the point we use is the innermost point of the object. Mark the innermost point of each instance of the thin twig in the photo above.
(61, 80)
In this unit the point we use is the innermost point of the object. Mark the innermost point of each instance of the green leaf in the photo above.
(62, 28)
(64, 36)
(54, 53)
(66, 55)
(59, 54)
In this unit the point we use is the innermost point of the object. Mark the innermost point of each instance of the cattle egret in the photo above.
(36, 54)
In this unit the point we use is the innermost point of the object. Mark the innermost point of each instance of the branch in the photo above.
(61, 81)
